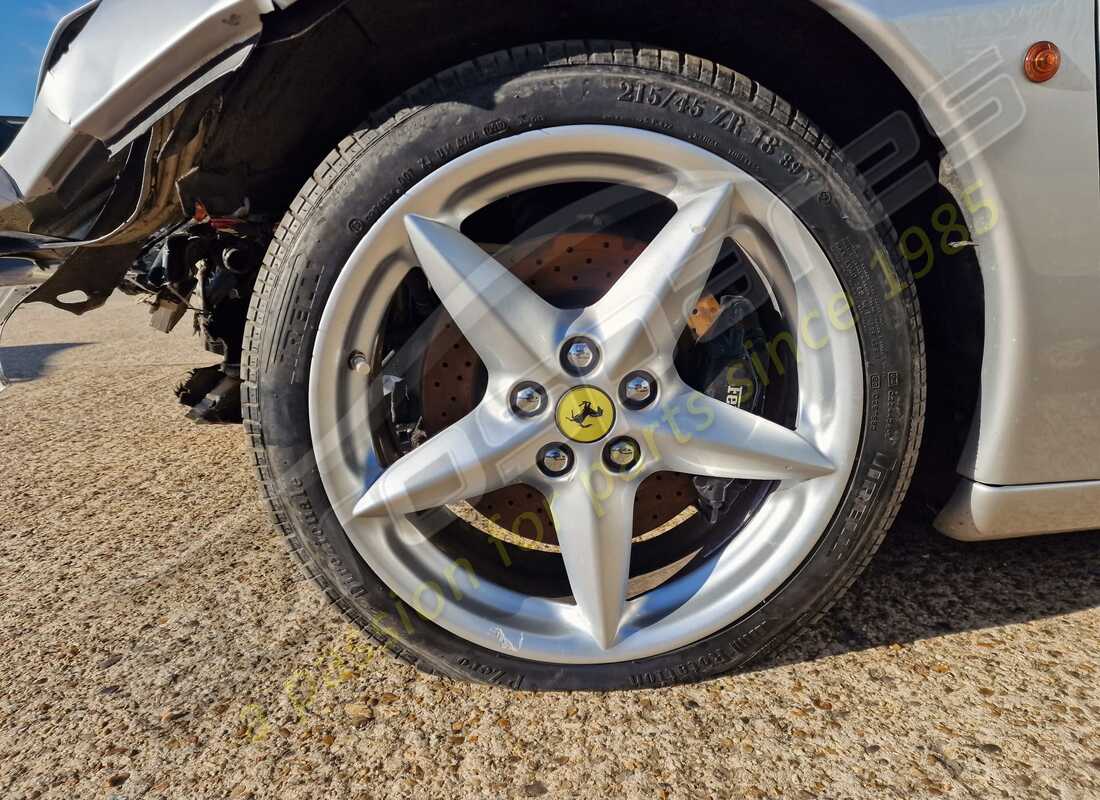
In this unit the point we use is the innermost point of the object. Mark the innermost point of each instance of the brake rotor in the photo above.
(571, 270)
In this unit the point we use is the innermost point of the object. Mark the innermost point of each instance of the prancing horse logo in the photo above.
(585, 413)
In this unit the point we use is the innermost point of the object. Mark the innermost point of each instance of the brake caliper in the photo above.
(725, 331)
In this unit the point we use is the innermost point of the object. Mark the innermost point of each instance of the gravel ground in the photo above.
(159, 642)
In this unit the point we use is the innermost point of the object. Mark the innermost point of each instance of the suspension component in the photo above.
(209, 266)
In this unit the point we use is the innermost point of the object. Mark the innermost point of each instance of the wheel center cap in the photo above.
(585, 414)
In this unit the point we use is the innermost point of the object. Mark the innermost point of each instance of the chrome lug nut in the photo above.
(580, 355)
(638, 390)
(555, 460)
(622, 454)
(528, 399)
(359, 363)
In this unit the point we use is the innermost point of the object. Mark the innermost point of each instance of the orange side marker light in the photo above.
(1042, 62)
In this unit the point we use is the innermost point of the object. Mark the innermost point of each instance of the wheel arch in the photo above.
(305, 92)
(1015, 310)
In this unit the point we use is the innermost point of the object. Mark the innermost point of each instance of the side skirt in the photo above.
(978, 512)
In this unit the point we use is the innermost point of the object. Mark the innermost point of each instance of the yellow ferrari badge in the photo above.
(585, 414)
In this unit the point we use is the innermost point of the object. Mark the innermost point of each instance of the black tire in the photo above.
(547, 85)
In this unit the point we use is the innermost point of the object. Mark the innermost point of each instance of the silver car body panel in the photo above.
(1022, 162)
(1038, 171)
(978, 512)
(1034, 444)
(56, 38)
(112, 86)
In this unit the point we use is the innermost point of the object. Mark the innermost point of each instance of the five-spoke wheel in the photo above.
(592, 367)
(585, 403)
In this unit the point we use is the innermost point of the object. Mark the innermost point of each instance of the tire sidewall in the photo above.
(375, 167)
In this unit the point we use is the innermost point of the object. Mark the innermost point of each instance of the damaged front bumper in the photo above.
(93, 167)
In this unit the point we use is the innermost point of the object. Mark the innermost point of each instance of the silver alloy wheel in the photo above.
(635, 326)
